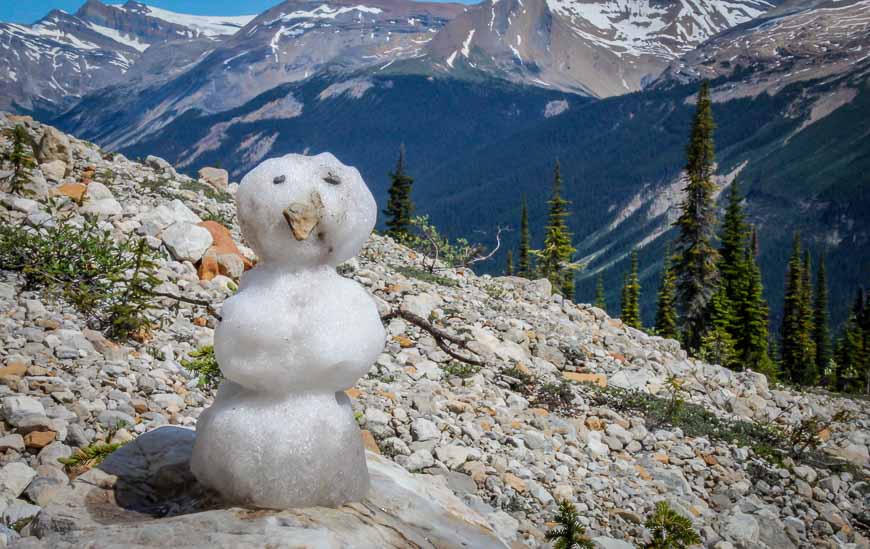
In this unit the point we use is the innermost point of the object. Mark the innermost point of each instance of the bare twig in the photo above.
(440, 336)
(479, 258)
(192, 301)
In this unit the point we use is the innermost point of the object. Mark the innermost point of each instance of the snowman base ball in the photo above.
(281, 432)
(279, 453)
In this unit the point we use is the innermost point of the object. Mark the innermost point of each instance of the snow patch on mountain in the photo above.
(208, 25)
(126, 39)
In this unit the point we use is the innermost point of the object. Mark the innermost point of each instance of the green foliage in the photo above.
(696, 258)
(400, 207)
(821, 331)
(600, 299)
(207, 190)
(425, 276)
(20, 159)
(225, 219)
(852, 353)
(631, 296)
(89, 456)
(110, 283)
(796, 333)
(425, 239)
(752, 316)
(669, 529)
(205, 366)
(569, 533)
(717, 344)
(525, 265)
(666, 310)
(509, 264)
(556, 396)
(555, 259)
(461, 370)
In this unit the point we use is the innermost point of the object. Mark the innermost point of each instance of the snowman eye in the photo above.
(332, 178)
(280, 179)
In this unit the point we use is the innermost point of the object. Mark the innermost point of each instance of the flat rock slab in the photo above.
(144, 495)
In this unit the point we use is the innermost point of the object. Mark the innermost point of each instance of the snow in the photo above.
(452, 58)
(209, 25)
(325, 11)
(128, 40)
(466, 45)
(281, 432)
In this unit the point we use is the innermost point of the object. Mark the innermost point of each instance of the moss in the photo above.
(425, 276)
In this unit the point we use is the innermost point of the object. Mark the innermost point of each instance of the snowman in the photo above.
(281, 432)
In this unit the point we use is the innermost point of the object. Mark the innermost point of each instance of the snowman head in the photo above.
(304, 211)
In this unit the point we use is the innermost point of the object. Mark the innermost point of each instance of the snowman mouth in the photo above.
(303, 217)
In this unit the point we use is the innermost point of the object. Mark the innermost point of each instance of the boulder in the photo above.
(54, 145)
(161, 166)
(74, 191)
(99, 201)
(113, 505)
(187, 242)
(216, 177)
(54, 170)
(14, 478)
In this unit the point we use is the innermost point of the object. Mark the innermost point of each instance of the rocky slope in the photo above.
(491, 447)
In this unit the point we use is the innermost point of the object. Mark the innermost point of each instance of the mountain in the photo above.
(596, 47)
(54, 62)
(792, 98)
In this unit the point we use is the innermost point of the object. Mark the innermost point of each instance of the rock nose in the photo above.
(304, 216)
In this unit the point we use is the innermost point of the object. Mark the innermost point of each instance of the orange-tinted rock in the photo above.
(598, 379)
(515, 482)
(539, 412)
(75, 191)
(208, 267)
(200, 321)
(369, 441)
(353, 393)
(223, 242)
(39, 439)
(403, 341)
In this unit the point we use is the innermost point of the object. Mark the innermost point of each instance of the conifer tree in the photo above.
(631, 296)
(524, 265)
(509, 266)
(734, 240)
(851, 352)
(20, 159)
(666, 312)
(821, 331)
(600, 299)
(717, 344)
(796, 344)
(555, 258)
(400, 207)
(752, 342)
(809, 375)
(696, 258)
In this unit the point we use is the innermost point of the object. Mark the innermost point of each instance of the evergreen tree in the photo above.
(796, 345)
(809, 375)
(600, 299)
(821, 331)
(524, 265)
(555, 258)
(752, 341)
(569, 532)
(851, 352)
(732, 251)
(696, 258)
(400, 207)
(20, 159)
(669, 529)
(666, 312)
(509, 267)
(717, 344)
(631, 296)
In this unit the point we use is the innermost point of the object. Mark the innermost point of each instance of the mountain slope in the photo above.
(51, 64)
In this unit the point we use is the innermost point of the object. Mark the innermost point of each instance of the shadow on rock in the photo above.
(153, 475)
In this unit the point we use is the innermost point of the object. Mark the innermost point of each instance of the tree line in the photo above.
(710, 296)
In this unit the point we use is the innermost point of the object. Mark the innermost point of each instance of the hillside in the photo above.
(569, 403)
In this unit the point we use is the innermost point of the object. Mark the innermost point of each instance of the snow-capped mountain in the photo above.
(62, 57)
(598, 47)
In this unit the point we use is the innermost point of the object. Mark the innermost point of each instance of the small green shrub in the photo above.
(205, 366)
(89, 456)
(425, 276)
(569, 533)
(207, 190)
(19, 158)
(557, 396)
(460, 369)
(110, 283)
(669, 529)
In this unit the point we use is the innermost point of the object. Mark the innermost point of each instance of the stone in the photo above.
(17, 409)
(19, 511)
(452, 456)
(419, 460)
(14, 478)
(155, 220)
(515, 482)
(742, 529)
(186, 242)
(216, 177)
(231, 265)
(12, 442)
(161, 166)
(54, 145)
(604, 542)
(421, 305)
(39, 439)
(54, 170)
(597, 379)
(208, 267)
(369, 442)
(423, 430)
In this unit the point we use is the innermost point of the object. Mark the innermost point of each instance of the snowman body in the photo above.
(281, 432)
